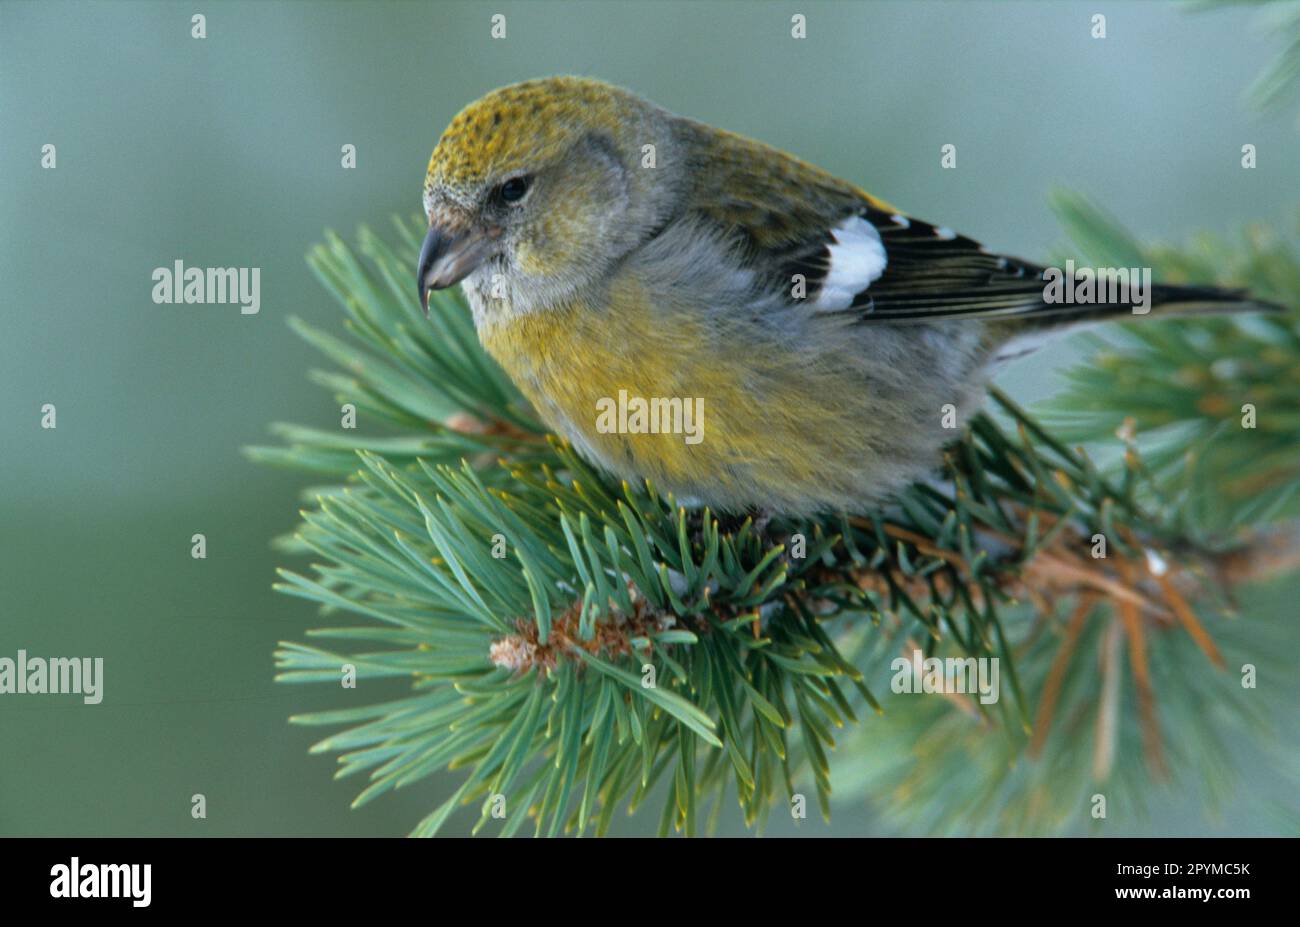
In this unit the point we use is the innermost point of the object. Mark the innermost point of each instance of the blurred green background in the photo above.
(225, 152)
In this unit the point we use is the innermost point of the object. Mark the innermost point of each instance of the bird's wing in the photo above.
(884, 266)
(920, 271)
(808, 237)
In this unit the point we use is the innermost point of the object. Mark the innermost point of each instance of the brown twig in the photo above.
(1056, 675)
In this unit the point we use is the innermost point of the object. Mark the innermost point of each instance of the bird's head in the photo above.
(537, 188)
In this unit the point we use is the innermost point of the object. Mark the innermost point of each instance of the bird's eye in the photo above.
(513, 190)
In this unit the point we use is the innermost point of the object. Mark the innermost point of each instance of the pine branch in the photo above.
(1218, 398)
(1277, 82)
(1198, 472)
(575, 645)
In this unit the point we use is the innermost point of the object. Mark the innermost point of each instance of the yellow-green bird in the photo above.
(704, 311)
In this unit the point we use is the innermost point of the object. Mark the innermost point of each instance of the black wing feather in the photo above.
(931, 274)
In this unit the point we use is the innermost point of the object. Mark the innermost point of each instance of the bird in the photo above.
(705, 314)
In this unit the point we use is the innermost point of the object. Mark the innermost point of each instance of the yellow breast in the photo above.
(736, 414)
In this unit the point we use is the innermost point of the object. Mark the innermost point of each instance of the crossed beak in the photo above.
(448, 257)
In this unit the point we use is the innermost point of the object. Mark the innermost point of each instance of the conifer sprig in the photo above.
(575, 645)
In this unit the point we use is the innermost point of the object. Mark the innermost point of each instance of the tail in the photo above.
(1031, 330)
(1175, 301)
(1163, 300)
